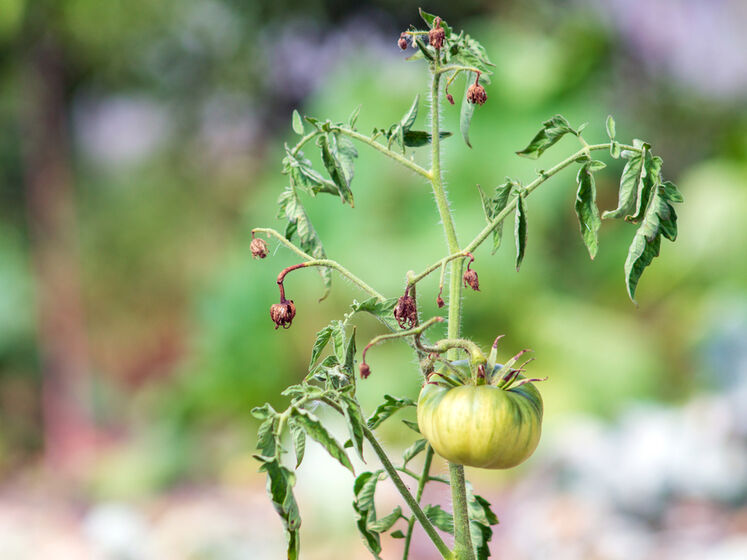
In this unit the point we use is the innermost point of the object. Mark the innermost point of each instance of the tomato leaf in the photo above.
(552, 130)
(418, 138)
(387, 408)
(354, 117)
(268, 438)
(465, 114)
(647, 187)
(297, 123)
(385, 523)
(280, 482)
(354, 418)
(316, 431)
(494, 206)
(299, 442)
(339, 172)
(412, 451)
(412, 425)
(363, 504)
(586, 206)
(520, 229)
(440, 518)
(338, 340)
(660, 219)
(397, 534)
(322, 338)
(375, 306)
(481, 535)
(481, 518)
(631, 182)
(610, 124)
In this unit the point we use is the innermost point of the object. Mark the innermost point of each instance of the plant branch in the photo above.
(410, 332)
(544, 176)
(462, 539)
(462, 535)
(335, 266)
(391, 470)
(415, 278)
(310, 136)
(458, 68)
(411, 165)
(422, 481)
(280, 237)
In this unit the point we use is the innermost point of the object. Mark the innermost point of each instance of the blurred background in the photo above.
(140, 142)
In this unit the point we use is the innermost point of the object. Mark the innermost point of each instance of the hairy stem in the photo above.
(391, 470)
(462, 536)
(400, 334)
(463, 540)
(334, 265)
(411, 165)
(422, 481)
(418, 513)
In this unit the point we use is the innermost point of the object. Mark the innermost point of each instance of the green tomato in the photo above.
(481, 425)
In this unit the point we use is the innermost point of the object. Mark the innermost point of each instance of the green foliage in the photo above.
(520, 228)
(388, 408)
(551, 132)
(586, 205)
(494, 206)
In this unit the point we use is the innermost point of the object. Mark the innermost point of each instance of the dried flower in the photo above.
(450, 98)
(282, 313)
(440, 302)
(470, 277)
(402, 41)
(258, 248)
(437, 34)
(364, 370)
(406, 312)
(476, 94)
(471, 280)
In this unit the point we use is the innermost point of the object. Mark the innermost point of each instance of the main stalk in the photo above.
(462, 539)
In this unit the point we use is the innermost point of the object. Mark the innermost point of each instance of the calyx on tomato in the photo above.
(491, 421)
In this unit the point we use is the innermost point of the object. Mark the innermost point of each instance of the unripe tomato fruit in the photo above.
(481, 425)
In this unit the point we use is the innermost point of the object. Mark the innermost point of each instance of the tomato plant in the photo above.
(474, 412)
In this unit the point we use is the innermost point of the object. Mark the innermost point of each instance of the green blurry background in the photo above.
(140, 142)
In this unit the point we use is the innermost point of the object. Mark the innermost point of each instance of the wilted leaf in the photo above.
(297, 123)
(412, 451)
(387, 408)
(316, 431)
(586, 206)
(520, 229)
(440, 518)
(552, 130)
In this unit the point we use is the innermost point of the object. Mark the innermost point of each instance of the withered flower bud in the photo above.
(406, 312)
(471, 280)
(282, 313)
(365, 370)
(440, 302)
(437, 34)
(258, 248)
(402, 41)
(450, 98)
(476, 94)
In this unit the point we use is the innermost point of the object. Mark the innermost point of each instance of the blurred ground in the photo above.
(141, 141)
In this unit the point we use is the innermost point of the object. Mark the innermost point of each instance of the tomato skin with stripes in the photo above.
(481, 425)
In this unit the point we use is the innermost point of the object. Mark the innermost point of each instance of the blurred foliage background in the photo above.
(141, 141)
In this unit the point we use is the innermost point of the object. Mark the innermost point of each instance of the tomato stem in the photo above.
(463, 540)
